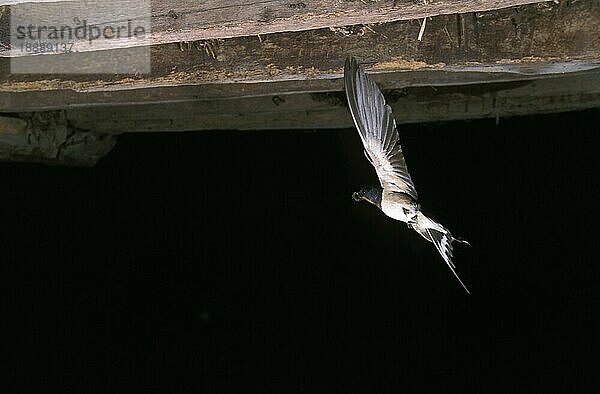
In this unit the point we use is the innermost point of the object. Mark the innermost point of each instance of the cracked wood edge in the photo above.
(47, 137)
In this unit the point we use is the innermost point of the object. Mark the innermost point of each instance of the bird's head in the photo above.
(371, 194)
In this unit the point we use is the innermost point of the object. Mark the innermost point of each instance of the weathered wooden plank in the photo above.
(65, 99)
(508, 44)
(81, 136)
(48, 138)
(328, 110)
(190, 20)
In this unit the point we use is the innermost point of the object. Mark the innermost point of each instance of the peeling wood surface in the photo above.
(190, 20)
(48, 137)
(328, 110)
(516, 43)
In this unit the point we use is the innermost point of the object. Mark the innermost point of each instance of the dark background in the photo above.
(237, 261)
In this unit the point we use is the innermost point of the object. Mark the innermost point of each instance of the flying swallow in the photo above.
(396, 196)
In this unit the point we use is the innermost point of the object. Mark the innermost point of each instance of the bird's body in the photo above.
(399, 206)
(396, 196)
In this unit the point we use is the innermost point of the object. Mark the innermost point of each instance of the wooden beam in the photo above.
(65, 98)
(190, 20)
(328, 110)
(80, 136)
(509, 44)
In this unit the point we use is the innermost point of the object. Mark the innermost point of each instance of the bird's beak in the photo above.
(356, 197)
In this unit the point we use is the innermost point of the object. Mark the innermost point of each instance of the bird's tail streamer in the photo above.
(441, 238)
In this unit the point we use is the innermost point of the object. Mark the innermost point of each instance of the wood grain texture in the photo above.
(190, 20)
(516, 43)
(66, 98)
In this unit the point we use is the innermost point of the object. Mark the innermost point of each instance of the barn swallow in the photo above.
(396, 196)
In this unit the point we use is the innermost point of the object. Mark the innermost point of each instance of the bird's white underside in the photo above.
(396, 209)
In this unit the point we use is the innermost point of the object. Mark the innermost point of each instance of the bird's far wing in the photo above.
(377, 128)
(443, 244)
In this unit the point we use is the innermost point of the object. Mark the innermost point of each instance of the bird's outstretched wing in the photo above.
(377, 128)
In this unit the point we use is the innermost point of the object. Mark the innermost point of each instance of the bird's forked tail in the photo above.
(441, 238)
